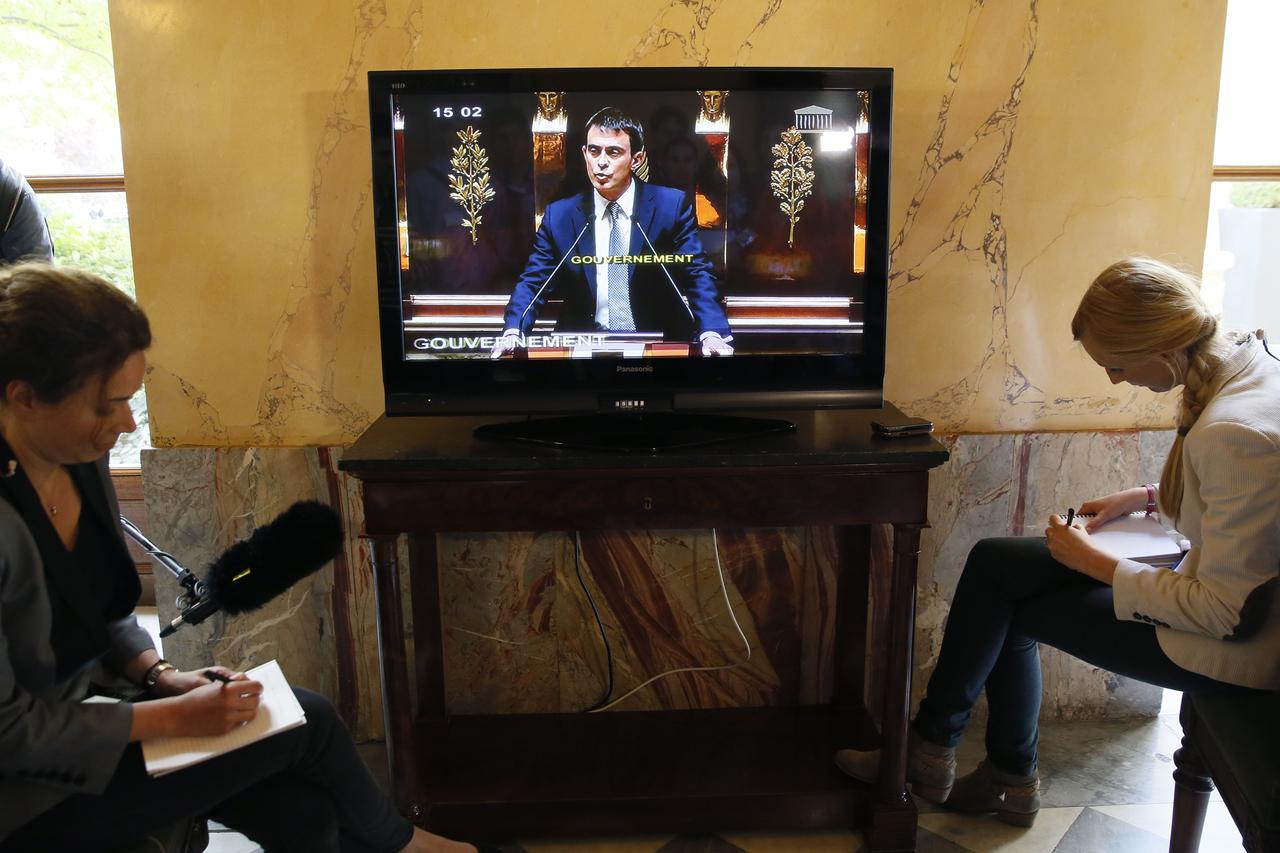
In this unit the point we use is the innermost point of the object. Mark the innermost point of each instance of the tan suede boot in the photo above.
(1014, 799)
(931, 769)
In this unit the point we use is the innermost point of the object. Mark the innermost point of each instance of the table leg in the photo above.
(893, 817)
(428, 627)
(850, 653)
(396, 714)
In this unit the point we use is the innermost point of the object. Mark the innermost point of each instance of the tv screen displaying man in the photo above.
(622, 257)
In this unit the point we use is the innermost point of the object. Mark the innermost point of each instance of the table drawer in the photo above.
(615, 500)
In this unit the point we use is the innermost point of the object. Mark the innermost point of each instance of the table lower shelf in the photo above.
(527, 775)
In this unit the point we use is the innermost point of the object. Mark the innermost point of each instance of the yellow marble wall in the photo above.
(1033, 143)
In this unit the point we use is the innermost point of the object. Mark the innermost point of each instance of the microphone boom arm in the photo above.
(195, 588)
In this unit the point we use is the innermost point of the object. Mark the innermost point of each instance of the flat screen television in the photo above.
(631, 240)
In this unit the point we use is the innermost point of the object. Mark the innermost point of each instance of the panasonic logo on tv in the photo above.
(644, 368)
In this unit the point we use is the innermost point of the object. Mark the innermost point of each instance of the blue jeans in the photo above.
(1012, 596)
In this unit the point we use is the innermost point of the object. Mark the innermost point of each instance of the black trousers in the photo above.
(301, 790)
(1012, 596)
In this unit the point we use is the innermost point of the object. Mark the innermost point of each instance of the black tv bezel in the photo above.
(584, 385)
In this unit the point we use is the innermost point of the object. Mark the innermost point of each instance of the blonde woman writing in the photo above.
(1211, 624)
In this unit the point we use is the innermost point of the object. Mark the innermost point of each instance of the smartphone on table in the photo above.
(901, 428)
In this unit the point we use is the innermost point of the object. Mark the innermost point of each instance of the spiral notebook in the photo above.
(278, 712)
(1138, 537)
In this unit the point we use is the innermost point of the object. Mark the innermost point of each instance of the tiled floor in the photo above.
(1105, 786)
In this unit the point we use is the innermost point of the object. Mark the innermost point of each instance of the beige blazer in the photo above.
(1217, 613)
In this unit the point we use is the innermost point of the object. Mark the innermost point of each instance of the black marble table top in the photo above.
(821, 437)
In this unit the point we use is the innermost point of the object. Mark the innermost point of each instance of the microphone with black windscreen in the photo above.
(277, 555)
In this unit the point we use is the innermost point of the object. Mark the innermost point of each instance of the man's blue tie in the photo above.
(620, 319)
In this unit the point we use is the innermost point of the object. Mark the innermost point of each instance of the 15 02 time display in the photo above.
(465, 112)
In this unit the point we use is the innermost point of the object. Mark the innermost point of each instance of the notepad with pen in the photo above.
(1139, 537)
(279, 711)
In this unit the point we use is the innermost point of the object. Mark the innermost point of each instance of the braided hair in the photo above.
(1140, 307)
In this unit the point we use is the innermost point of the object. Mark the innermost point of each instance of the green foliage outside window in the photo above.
(91, 232)
(57, 84)
(1255, 194)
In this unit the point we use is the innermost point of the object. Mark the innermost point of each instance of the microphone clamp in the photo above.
(192, 614)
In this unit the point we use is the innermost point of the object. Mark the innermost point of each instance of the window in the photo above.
(1242, 249)
(58, 81)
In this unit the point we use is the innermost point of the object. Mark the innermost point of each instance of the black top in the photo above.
(89, 586)
(92, 558)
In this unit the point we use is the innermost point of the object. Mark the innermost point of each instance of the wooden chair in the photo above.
(1233, 741)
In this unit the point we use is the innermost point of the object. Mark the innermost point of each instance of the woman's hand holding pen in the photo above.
(1070, 546)
(216, 704)
(1113, 506)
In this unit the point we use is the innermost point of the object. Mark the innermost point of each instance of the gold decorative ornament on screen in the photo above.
(469, 180)
(402, 194)
(712, 117)
(551, 113)
(550, 124)
(861, 171)
(792, 177)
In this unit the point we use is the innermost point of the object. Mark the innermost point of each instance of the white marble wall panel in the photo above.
(1007, 485)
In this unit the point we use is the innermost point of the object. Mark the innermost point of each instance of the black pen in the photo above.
(1071, 516)
(215, 676)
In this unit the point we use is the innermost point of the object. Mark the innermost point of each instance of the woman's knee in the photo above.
(1013, 565)
(324, 725)
(989, 559)
(319, 710)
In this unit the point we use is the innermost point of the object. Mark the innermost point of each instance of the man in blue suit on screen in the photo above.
(624, 257)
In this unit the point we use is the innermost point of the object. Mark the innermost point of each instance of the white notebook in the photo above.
(278, 712)
(1138, 537)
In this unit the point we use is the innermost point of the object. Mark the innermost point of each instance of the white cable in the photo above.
(724, 589)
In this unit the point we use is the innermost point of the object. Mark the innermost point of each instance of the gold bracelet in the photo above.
(152, 676)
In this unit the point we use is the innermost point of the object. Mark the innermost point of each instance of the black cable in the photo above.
(604, 637)
(1268, 349)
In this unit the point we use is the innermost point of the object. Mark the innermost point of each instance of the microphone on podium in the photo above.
(277, 555)
(591, 217)
(680, 296)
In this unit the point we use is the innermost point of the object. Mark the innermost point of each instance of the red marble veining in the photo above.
(672, 616)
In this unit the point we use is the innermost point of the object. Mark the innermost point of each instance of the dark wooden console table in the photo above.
(509, 776)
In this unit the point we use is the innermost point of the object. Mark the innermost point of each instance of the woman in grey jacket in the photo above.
(71, 774)
(1210, 624)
